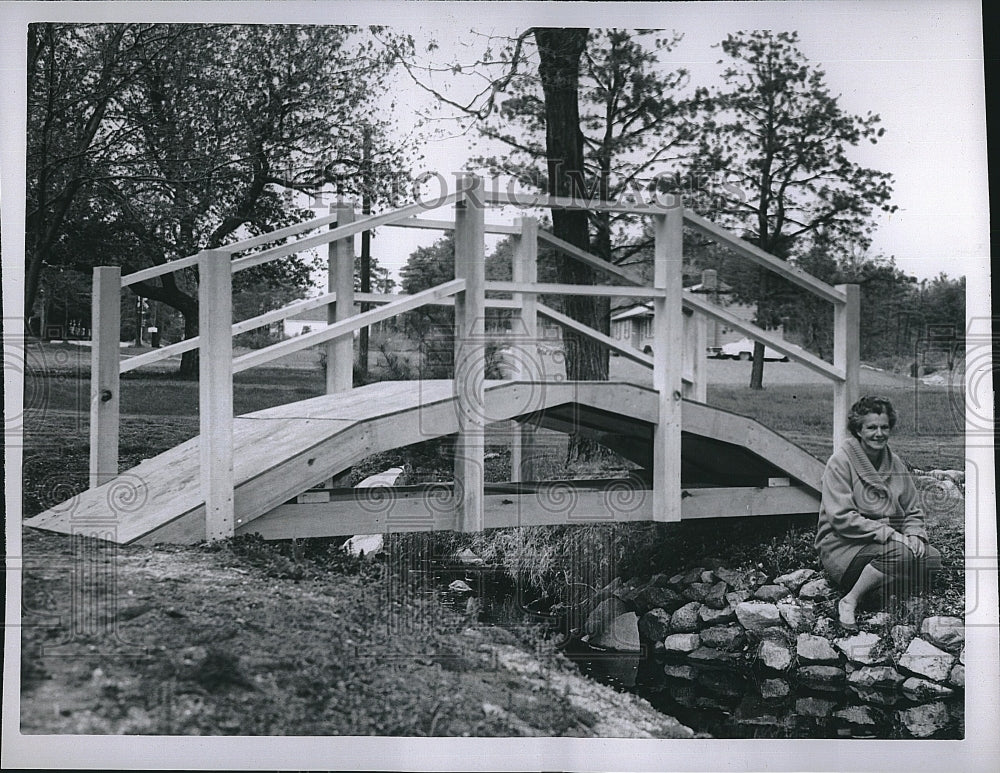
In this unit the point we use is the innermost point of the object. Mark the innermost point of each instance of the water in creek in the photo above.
(725, 702)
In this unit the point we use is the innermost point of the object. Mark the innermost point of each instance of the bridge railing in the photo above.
(673, 377)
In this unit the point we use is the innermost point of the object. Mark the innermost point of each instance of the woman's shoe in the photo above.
(845, 615)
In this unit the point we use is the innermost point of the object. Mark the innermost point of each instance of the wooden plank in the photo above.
(155, 271)
(536, 201)
(791, 351)
(105, 391)
(215, 393)
(524, 268)
(340, 232)
(340, 279)
(449, 225)
(846, 358)
(281, 233)
(470, 357)
(562, 503)
(304, 341)
(553, 288)
(668, 347)
(760, 257)
(591, 260)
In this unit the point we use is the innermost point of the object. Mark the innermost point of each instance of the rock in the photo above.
(757, 615)
(680, 671)
(710, 616)
(902, 635)
(712, 656)
(798, 617)
(681, 642)
(649, 596)
(621, 635)
(696, 591)
(736, 597)
(728, 576)
(676, 580)
(707, 576)
(820, 674)
(469, 558)
(957, 676)
(816, 589)
(815, 649)
(692, 575)
(795, 580)
(825, 627)
(923, 721)
(685, 619)
(875, 676)
(602, 615)
(774, 688)
(961, 656)
(879, 620)
(923, 690)
(948, 633)
(814, 707)
(654, 625)
(924, 659)
(659, 580)
(775, 656)
(860, 647)
(459, 586)
(364, 544)
(862, 716)
(658, 649)
(716, 596)
(729, 638)
(875, 695)
(754, 579)
(771, 593)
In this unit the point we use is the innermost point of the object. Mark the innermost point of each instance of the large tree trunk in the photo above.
(559, 52)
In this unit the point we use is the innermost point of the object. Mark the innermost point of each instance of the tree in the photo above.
(211, 140)
(779, 141)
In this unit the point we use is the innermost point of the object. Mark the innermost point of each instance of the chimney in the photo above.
(709, 280)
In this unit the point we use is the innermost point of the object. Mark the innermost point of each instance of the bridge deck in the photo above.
(283, 451)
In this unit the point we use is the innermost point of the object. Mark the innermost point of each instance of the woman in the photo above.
(871, 528)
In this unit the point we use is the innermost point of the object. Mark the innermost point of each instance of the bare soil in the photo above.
(235, 640)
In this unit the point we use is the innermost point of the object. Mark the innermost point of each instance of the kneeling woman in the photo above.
(871, 528)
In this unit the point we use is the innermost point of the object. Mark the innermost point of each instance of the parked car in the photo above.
(743, 350)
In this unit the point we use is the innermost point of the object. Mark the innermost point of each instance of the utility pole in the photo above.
(366, 243)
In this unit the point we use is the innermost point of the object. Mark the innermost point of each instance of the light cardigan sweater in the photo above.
(862, 505)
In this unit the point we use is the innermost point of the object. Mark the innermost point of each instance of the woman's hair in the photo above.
(864, 406)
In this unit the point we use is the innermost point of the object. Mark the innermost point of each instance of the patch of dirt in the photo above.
(212, 641)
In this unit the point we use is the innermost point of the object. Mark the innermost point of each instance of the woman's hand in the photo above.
(916, 545)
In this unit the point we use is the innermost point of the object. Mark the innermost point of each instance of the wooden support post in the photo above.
(847, 357)
(699, 370)
(340, 264)
(470, 356)
(528, 364)
(215, 391)
(105, 331)
(668, 343)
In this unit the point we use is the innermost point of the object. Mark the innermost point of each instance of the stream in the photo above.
(723, 702)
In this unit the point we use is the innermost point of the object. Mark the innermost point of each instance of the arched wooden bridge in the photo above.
(245, 474)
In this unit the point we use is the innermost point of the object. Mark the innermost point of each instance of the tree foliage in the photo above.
(171, 139)
(779, 146)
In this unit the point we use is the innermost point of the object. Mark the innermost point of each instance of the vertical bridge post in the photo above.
(527, 364)
(668, 344)
(340, 263)
(470, 355)
(105, 311)
(215, 391)
(847, 357)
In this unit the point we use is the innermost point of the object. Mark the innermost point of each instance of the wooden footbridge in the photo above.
(270, 472)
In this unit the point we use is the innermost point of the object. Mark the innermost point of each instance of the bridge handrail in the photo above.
(468, 293)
